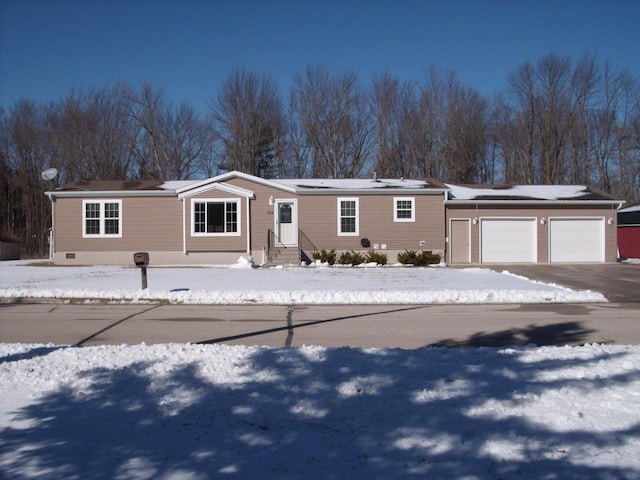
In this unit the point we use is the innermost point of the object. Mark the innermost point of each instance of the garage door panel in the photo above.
(576, 240)
(508, 240)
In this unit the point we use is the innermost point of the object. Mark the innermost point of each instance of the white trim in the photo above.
(231, 189)
(237, 201)
(339, 210)
(532, 202)
(395, 209)
(210, 182)
(110, 193)
(101, 218)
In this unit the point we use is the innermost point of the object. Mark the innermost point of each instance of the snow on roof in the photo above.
(524, 192)
(353, 183)
(176, 184)
(635, 208)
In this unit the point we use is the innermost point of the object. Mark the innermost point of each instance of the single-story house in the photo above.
(9, 248)
(629, 232)
(219, 219)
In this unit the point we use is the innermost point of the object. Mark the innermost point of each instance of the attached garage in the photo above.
(508, 240)
(531, 224)
(574, 240)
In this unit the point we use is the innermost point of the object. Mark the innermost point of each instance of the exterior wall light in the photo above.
(543, 221)
(271, 201)
(610, 221)
(475, 220)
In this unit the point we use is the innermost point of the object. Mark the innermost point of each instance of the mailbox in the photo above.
(141, 259)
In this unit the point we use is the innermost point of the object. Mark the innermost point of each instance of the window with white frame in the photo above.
(348, 216)
(102, 218)
(215, 217)
(404, 209)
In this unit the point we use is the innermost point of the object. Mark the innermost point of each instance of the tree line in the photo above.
(556, 121)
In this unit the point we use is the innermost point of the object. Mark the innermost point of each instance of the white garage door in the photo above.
(576, 240)
(510, 240)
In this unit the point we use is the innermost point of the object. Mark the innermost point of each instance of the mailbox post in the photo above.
(141, 259)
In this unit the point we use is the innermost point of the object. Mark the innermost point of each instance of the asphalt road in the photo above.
(401, 326)
(398, 326)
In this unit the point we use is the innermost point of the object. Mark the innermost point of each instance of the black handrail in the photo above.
(305, 246)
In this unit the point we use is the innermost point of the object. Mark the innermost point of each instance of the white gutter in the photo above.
(112, 193)
(532, 202)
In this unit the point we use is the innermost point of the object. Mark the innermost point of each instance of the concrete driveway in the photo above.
(618, 282)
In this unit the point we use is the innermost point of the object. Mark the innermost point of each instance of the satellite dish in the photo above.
(49, 174)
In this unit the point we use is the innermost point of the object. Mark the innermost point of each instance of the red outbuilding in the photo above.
(629, 232)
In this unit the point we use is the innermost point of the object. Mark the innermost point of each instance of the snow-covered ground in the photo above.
(217, 411)
(240, 283)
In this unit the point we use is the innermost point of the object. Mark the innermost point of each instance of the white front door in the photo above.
(286, 217)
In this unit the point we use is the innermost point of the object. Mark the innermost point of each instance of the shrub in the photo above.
(411, 257)
(375, 257)
(429, 258)
(351, 258)
(408, 257)
(325, 257)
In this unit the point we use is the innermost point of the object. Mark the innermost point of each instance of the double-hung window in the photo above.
(348, 216)
(102, 218)
(404, 209)
(215, 217)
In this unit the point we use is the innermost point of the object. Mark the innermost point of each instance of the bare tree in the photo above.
(393, 108)
(26, 153)
(250, 121)
(93, 136)
(333, 113)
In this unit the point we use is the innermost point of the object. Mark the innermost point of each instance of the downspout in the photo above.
(248, 228)
(51, 231)
(184, 230)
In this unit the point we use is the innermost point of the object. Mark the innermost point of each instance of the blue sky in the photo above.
(188, 47)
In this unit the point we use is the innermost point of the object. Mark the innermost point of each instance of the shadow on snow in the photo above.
(317, 414)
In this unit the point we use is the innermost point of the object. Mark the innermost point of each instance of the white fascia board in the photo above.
(234, 174)
(532, 202)
(241, 192)
(110, 193)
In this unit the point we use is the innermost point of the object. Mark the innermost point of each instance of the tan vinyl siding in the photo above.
(319, 220)
(262, 219)
(148, 223)
(537, 212)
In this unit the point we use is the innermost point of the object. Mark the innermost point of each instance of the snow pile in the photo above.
(198, 412)
(241, 283)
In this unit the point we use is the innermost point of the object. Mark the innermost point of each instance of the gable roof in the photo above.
(527, 193)
(324, 185)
